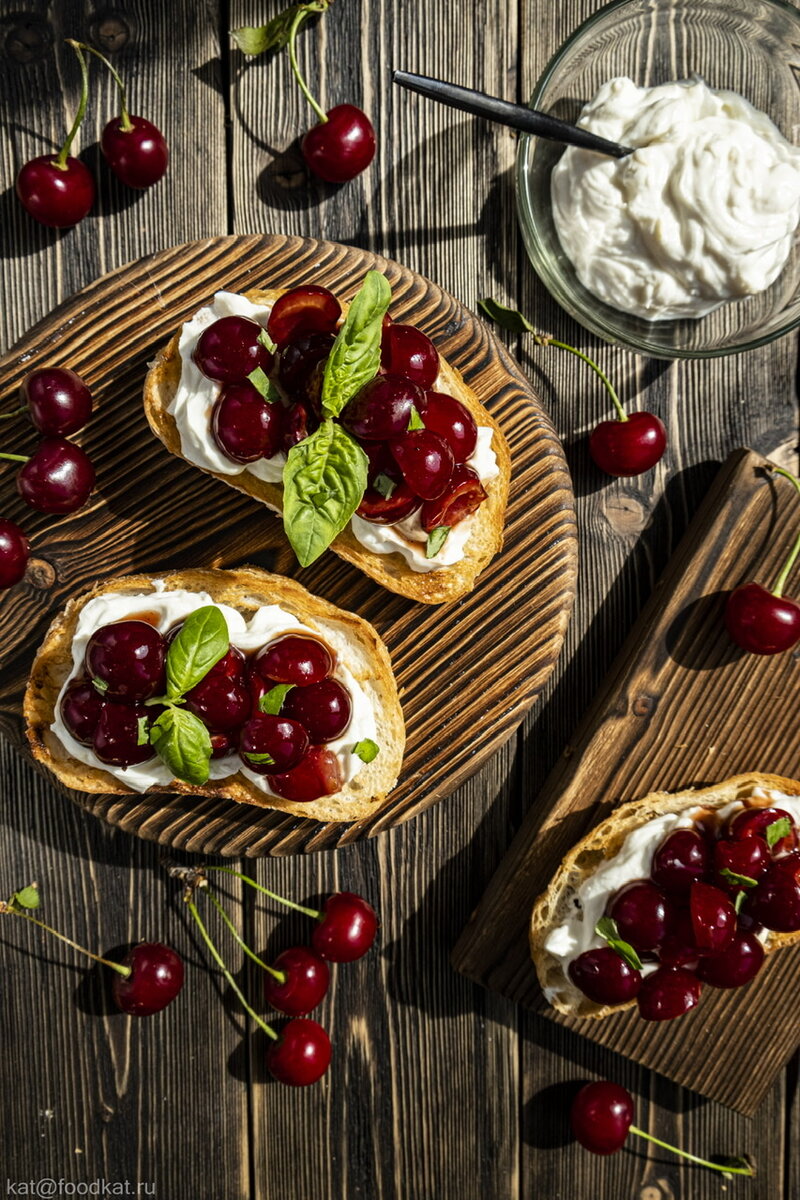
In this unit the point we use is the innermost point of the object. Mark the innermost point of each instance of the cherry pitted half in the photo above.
(425, 460)
(760, 622)
(452, 420)
(668, 993)
(303, 311)
(121, 736)
(604, 976)
(462, 497)
(138, 155)
(294, 659)
(408, 352)
(382, 509)
(230, 350)
(307, 977)
(340, 147)
(629, 447)
(382, 408)
(346, 929)
(754, 823)
(734, 966)
(80, 708)
(601, 1116)
(323, 708)
(244, 425)
(58, 400)
(57, 478)
(298, 422)
(302, 1053)
(15, 551)
(127, 659)
(318, 774)
(54, 195)
(271, 745)
(155, 980)
(298, 360)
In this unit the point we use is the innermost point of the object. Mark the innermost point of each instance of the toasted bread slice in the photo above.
(246, 589)
(555, 905)
(390, 570)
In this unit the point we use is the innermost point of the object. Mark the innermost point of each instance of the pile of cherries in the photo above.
(58, 477)
(418, 441)
(696, 919)
(124, 667)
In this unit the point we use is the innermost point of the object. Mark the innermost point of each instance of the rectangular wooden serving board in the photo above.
(680, 707)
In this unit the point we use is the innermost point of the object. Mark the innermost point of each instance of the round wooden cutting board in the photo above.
(468, 672)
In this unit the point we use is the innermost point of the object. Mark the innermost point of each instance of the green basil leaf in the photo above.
(181, 740)
(436, 539)
(606, 928)
(780, 828)
(100, 685)
(266, 341)
(506, 318)
(324, 480)
(367, 750)
(739, 901)
(27, 897)
(384, 485)
(272, 701)
(734, 877)
(356, 353)
(258, 758)
(142, 735)
(415, 421)
(201, 643)
(260, 382)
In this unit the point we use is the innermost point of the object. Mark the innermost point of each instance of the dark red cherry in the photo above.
(643, 915)
(15, 551)
(382, 408)
(244, 425)
(303, 310)
(138, 156)
(628, 447)
(294, 659)
(57, 478)
(775, 902)
(299, 358)
(679, 948)
(222, 744)
(58, 400)
(754, 822)
(230, 350)
(761, 622)
(221, 703)
(81, 706)
(318, 774)
(713, 917)
(601, 1115)
(669, 992)
(155, 980)
(121, 734)
(272, 745)
(346, 929)
(53, 195)
(302, 1053)
(734, 966)
(451, 420)
(258, 687)
(462, 497)
(680, 860)
(425, 460)
(324, 709)
(298, 422)
(407, 352)
(306, 981)
(387, 510)
(341, 147)
(604, 976)
(128, 658)
(748, 857)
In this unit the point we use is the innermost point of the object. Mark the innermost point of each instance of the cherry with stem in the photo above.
(57, 478)
(762, 620)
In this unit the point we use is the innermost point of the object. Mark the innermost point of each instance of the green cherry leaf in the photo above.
(507, 318)
(27, 897)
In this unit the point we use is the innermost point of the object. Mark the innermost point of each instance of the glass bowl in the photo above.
(747, 46)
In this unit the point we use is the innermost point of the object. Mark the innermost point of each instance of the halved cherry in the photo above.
(754, 822)
(309, 309)
(425, 460)
(318, 774)
(298, 422)
(387, 510)
(462, 497)
(299, 357)
(452, 420)
(407, 351)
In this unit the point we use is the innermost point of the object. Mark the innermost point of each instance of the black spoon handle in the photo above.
(515, 115)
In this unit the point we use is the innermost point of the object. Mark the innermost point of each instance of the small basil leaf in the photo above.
(415, 421)
(780, 828)
(200, 644)
(260, 382)
(272, 701)
(606, 928)
(257, 39)
(734, 877)
(356, 354)
(266, 341)
(27, 897)
(506, 318)
(436, 539)
(181, 740)
(741, 896)
(258, 758)
(384, 485)
(100, 685)
(367, 750)
(142, 735)
(324, 479)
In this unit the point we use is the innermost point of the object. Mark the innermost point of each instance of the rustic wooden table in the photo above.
(438, 1089)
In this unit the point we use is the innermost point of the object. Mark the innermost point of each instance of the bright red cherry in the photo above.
(425, 460)
(628, 447)
(272, 745)
(462, 497)
(451, 420)
(713, 917)
(382, 408)
(57, 478)
(318, 774)
(680, 860)
(754, 823)
(221, 703)
(643, 915)
(302, 1053)
(604, 976)
(775, 902)
(306, 981)
(155, 980)
(303, 310)
(760, 622)
(15, 551)
(135, 150)
(340, 147)
(408, 352)
(55, 195)
(386, 510)
(81, 706)
(294, 659)
(127, 659)
(346, 929)
(601, 1116)
(734, 966)
(58, 400)
(244, 425)
(121, 735)
(299, 358)
(669, 992)
(324, 709)
(231, 349)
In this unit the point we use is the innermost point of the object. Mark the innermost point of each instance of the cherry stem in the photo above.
(14, 413)
(16, 457)
(703, 1162)
(215, 954)
(310, 912)
(780, 582)
(118, 967)
(279, 975)
(61, 159)
(543, 339)
(126, 124)
(302, 13)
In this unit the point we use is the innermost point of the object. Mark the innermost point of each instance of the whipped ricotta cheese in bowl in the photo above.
(192, 406)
